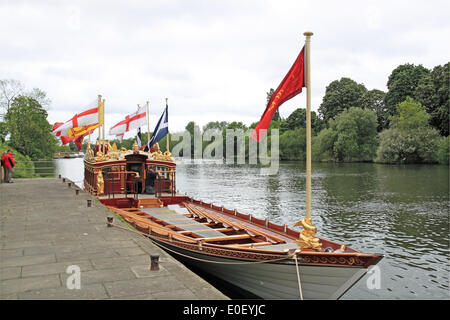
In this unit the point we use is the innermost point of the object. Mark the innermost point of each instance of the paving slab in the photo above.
(43, 233)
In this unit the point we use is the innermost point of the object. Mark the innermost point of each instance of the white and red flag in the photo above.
(86, 118)
(131, 122)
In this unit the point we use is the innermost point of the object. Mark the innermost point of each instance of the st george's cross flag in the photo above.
(85, 118)
(131, 122)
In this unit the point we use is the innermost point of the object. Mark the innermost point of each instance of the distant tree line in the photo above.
(407, 124)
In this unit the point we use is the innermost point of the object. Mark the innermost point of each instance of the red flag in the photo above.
(78, 140)
(291, 85)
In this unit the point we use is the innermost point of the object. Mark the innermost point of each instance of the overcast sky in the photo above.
(214, 60)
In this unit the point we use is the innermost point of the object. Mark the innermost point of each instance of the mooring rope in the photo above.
(298, 278)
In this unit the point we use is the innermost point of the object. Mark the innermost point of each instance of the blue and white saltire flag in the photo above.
(161, 129)
(138, 138)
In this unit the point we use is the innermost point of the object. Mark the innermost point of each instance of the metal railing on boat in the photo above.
(126, 182)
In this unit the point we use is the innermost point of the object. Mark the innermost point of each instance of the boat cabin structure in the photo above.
(121, 177)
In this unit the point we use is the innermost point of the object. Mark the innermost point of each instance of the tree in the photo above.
(215, 125)
(194, 131)
(322, 145)
(41, 97)
(30, 131)
(356, 135)
(403, 82)
(352, 136)
(443, 154)
(410, 116)
(410, 139)
(297, 119)
(408, 146)
(9, 90)
(276, 116)
(293, 144)
(433, 93)
(374, 100)
(3, 131)
(341, 95)
(190, 127)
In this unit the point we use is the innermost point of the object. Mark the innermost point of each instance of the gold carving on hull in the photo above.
(307, 240)
(100, 183)
(107, 152)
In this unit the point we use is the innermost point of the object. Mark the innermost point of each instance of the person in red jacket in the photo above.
(8, 163)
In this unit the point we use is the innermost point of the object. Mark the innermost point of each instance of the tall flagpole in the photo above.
(103, 119)
(308, 35)
(307, 239)
(100, 110)
(167, 136)
(148, 123)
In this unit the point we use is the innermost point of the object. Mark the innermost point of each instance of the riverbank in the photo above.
(45, 236)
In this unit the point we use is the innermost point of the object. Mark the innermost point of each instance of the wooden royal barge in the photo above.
(268, 260)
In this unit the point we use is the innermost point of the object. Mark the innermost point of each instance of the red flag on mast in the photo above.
(291, 85)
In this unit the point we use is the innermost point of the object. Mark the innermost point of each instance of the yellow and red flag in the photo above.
(292, 84)
(82, 131)
(86, 118)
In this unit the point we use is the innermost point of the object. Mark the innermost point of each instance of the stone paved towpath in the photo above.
(45, 228)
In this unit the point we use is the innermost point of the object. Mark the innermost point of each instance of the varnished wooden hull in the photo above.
(276, 280)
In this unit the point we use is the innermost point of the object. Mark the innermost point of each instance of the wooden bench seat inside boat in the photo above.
(180, 220)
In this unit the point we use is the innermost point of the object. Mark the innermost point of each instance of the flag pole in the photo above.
(138, 128)
(99, 106)
(307, 239)
(167, 136)
(148, 123)
(308, 35)
(103, 119)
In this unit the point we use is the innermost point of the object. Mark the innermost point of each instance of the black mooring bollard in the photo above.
(64, 180)
(59, 176)
(89, 202)
(77, 191)
(110, 221)
(69, 184)
(154, 266)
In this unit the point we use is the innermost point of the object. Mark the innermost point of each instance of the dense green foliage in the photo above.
(410, 139)
(433, 93)
(293, 144)
(402, 83)
(341, 95)
(352, 136)
(24, 167)
(29, 129)
(374, 100)
(443, 153)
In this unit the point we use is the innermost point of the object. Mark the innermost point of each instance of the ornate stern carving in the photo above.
(135, 147)
(307, 239)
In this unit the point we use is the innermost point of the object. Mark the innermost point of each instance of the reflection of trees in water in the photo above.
(273, 205)
(401, 211)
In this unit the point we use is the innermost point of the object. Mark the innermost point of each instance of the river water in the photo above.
(399, 211)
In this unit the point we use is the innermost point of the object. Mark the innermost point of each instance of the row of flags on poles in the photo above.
(83, 124)
(86, 122)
